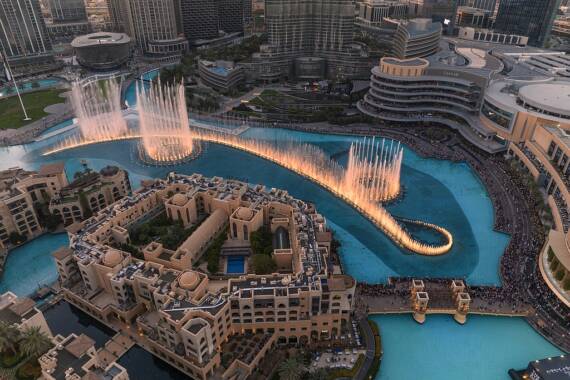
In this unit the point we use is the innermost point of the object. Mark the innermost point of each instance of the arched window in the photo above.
(179, 214)
(234, 229)
(245, 234)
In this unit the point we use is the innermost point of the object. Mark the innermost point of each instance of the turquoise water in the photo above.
(131, 92)
(436, 191)
(483, 348)
(235, 265)
(44, 83)
(31, 265)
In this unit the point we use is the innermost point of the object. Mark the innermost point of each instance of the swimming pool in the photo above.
(235, 265)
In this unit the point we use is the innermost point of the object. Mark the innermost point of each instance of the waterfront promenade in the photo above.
(516, 213)
(396, 298)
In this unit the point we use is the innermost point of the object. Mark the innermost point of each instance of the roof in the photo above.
(62, 253)
(101, 38)
(22, 306)
(552, 97)
(80, 345)
(557, 368)
(52, 169)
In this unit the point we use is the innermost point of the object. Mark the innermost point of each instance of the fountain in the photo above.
(371, 177)
(164, 127)
(97, 106)
(374, 168)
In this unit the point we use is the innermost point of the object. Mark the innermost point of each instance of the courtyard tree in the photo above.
(9, 336)
(34, 342)
(291, 369)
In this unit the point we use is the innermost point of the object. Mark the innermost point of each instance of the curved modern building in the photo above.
(534, 115)
(102, 51)
(420, 91)
(416, 38)
(514, 107)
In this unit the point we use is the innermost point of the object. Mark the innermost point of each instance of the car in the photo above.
(352, 361)
(354, 351)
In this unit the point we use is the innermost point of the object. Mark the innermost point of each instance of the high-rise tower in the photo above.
(154, 26)
(531, 18)
(309, 39)
(23, 33)
(67, 10)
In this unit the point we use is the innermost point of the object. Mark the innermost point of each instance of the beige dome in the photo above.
(189, 280)
(112, 258)
(244, 213)
(179, 200)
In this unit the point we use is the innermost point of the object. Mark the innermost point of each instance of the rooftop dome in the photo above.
(244, 213)
(179, 200)
(112, 258)
(189, 280)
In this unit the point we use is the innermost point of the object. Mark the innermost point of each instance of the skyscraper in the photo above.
(23, 33)
(67, 10)
(308, 39)
(231, 15)
(531, 18)
(154, 26)
(199, 19)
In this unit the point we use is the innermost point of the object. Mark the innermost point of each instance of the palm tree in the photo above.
(34, 342)
(9, 336)
(291, 369)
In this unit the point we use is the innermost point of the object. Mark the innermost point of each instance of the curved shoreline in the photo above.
(375, 212)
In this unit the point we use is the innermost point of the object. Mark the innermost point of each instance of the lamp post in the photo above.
(10, 76)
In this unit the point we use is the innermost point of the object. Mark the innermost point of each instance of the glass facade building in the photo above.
(530, 18)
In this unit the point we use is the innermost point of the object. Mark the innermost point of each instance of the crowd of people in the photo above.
(523, 290)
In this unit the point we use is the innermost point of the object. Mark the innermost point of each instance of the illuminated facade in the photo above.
(179, 313)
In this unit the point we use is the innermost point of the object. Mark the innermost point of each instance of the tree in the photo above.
(262, 242)
(34, 342)
(263, 264)
(291, 369)
(9, 336)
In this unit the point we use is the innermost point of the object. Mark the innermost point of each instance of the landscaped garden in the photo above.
(262, 248)
(20, 350)
(162, 229)
(11, 115)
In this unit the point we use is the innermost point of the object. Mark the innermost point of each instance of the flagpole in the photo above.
(11, 76)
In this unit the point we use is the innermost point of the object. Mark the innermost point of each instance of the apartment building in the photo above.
(178, 312)
(20, 190)
(89, 193)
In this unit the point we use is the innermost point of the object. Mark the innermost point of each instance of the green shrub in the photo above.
(263, 264)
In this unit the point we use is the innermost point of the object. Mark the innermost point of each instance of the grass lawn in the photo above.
(11, 115)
